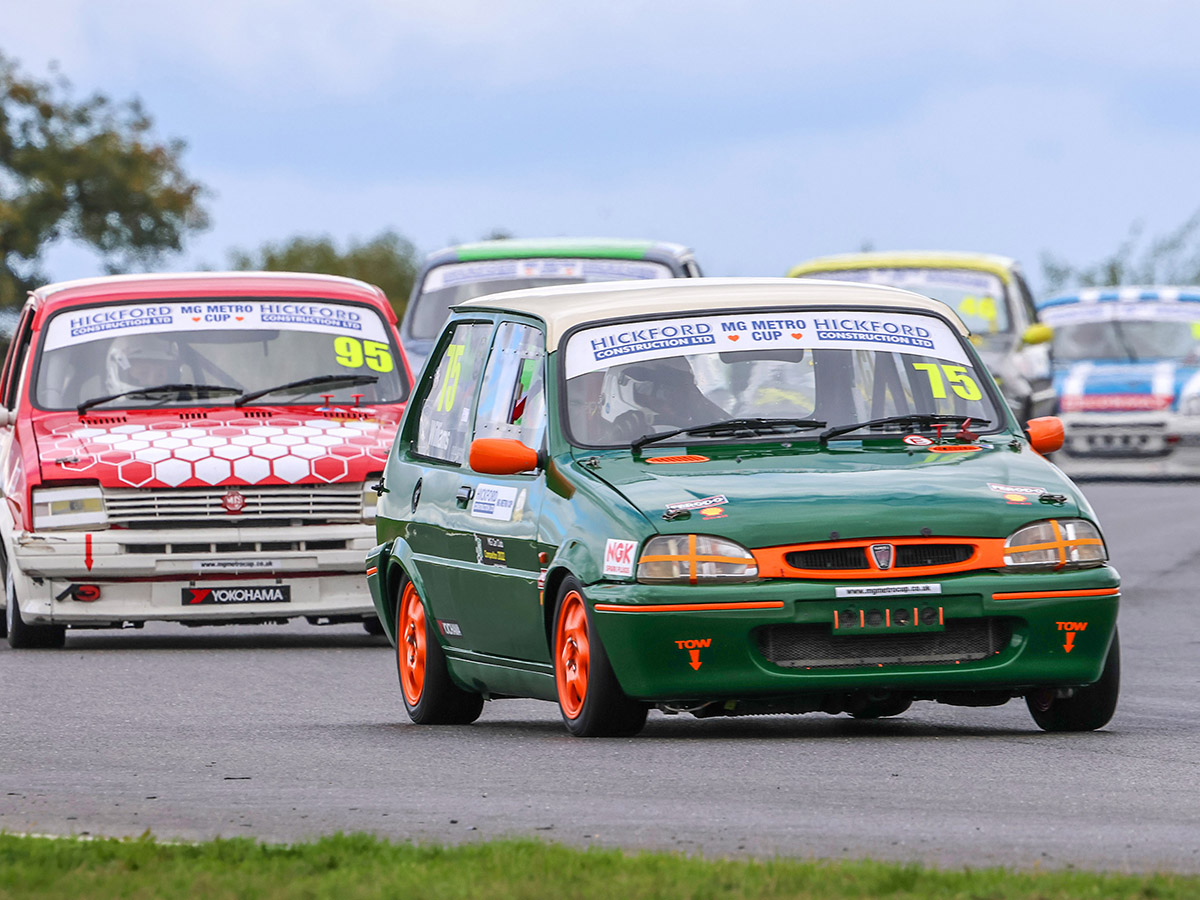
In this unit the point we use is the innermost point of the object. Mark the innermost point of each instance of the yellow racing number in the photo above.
(960, 382)
(445, 400)
(353, 353)
(979, 308)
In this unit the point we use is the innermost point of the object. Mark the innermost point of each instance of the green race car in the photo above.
(732, 497)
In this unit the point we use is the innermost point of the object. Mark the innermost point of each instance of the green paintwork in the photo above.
(779, 493)
(598, 248)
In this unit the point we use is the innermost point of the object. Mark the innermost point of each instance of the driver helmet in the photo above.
(655, 389)
(138, 361)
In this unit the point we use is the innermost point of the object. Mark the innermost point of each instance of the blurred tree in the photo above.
(1173, 258)
(86, 170)
(388, 261)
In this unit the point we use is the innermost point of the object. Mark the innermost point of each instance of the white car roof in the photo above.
(563, 307)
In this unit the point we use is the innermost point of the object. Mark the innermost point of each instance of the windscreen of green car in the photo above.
(978, 297)
(215, 352)
(836, 368)
(444, 286)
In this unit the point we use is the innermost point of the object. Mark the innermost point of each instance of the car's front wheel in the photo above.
(430, 695)
(22, 636)
(1089, 708)
(589, 697)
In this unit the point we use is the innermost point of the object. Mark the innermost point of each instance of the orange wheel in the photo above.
(572, 655)
(411, 644)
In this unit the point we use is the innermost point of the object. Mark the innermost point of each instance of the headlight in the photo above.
(694, 559)
(1057, 544)
(370, 499)
(69, 507)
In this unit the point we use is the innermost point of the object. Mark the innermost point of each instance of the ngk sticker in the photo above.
(269, 593)
(618, 557)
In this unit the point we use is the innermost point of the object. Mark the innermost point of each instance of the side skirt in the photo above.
(495, 676)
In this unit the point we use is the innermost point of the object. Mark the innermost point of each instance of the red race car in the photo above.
(198, 448)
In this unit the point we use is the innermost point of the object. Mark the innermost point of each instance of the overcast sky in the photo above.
(759, 133)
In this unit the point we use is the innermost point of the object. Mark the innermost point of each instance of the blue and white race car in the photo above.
(1127, 373)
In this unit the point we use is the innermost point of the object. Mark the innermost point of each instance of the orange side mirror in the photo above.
(501, 456)
(1045, 433)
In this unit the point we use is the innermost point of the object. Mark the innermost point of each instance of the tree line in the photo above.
(91, 170)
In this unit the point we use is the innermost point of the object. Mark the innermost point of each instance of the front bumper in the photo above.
(1014, 631)
(147, 575)
(1130, 444)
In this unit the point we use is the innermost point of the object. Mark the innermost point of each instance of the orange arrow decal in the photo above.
(1070, 644)
(87, 551)
(695, 663)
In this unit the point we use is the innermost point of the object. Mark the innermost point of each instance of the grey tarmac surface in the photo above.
(286, 733)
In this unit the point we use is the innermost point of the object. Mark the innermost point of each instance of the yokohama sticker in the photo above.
(618, 557)
(269, 593)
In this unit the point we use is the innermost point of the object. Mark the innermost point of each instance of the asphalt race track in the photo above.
(285, 733)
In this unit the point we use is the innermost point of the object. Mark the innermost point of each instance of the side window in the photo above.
(512, 403)
(16, 359)
(444, 426)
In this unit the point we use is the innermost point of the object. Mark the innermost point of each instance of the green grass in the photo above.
(348, 867)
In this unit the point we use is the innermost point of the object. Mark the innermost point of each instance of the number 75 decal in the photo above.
(960, 382)
(352, 353)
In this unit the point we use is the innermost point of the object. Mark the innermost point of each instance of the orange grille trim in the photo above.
(688, 458)
(988, 553)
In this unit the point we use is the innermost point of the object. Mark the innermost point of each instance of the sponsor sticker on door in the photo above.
(618, 557)
(494, 501)
(266, 593)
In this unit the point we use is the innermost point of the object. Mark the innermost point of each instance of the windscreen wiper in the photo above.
(306, 385)
(157, 389)
(914, 419)
(733, 426)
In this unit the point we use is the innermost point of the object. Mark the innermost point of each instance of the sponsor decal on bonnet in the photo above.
(718, 500)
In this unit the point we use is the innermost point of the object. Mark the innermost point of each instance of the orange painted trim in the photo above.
(372, 570)
(988, 554)
(674, 460)
(1036, 595)
(688, 607)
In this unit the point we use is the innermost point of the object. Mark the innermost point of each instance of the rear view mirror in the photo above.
(1038, 333)
(501, 456)
(1045, 433)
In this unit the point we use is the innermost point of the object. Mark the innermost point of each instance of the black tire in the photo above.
(27, 637)
(895, 705)
(373, 626)
(432, 697)
(589, 697)
(1090, 707)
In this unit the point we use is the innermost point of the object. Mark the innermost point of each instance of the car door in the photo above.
(435, 451)
(500, 607)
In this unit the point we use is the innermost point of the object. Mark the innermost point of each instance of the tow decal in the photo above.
(1071, 628)
(693, 648)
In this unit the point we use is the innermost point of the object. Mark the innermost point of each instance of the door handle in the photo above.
(464, 496)
(416, 494)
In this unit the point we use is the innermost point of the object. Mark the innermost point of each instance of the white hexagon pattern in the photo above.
(245, 450)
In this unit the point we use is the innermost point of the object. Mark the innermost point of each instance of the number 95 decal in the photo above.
(353, 353)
